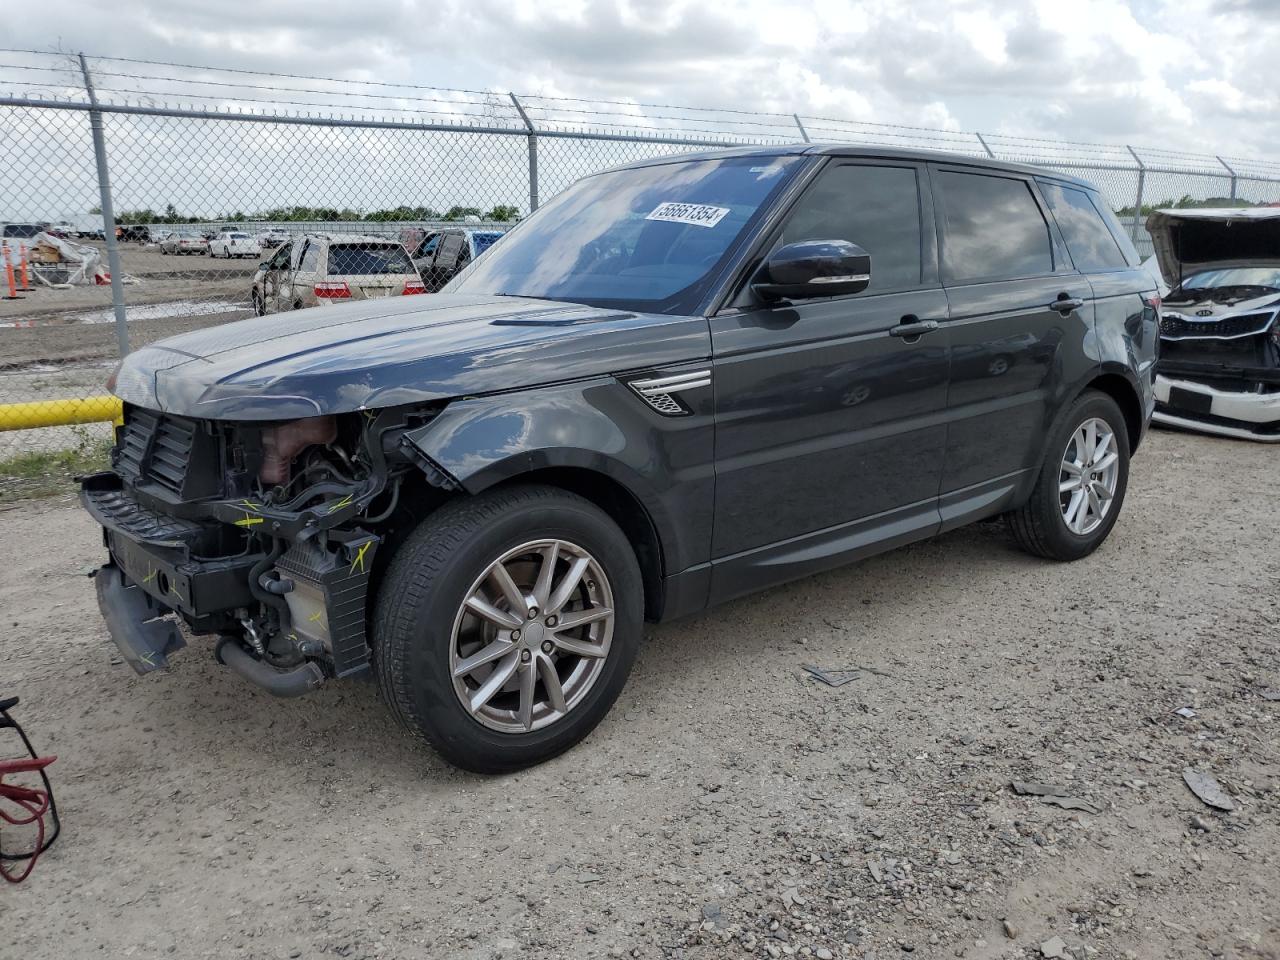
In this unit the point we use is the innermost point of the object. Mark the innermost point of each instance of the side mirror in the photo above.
(265, 267)
(813, 268)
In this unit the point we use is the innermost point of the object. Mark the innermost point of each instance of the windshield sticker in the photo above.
(698, 214)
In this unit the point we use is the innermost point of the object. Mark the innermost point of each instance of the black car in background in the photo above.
(678, 382)
(441, 254)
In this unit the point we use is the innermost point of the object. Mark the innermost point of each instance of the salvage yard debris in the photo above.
(1207, 789)
(1055, 795)
(838, 678)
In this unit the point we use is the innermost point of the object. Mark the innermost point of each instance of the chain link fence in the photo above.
(138, 198)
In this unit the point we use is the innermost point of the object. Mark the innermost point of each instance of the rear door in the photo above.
(830, 428)
(1020, 318)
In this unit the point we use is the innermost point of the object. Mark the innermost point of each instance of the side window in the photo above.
(310, 258)
(281, 259)
(877, 208)
(1090, 243)
(994, 229)
(296, 257)
(428, 246)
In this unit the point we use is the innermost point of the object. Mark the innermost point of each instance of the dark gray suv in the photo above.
(676, 383)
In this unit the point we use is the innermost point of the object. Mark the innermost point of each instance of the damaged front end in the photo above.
(264, 534)
(1219, 369)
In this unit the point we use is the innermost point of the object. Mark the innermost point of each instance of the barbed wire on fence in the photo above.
(183, 155)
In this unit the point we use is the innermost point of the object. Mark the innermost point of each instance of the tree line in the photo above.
(499, 213)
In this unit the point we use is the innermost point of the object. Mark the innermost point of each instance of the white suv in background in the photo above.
(233, 243)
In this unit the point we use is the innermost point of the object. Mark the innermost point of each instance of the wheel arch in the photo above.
(1120, 388)
(623, 506)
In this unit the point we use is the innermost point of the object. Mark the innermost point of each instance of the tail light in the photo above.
(412, 287)
(332, 290)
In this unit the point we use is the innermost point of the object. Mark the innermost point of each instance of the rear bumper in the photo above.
(1229, 413)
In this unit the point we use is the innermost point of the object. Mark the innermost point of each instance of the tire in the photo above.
(258, 308)
(420, 616)
(1040, 526)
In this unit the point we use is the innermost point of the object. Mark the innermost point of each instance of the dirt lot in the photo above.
(730, 806)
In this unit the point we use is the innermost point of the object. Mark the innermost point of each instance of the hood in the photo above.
(1190, 240)
(405, 350)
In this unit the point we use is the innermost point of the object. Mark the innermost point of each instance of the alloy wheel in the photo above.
(1088, 476)
(531, 638)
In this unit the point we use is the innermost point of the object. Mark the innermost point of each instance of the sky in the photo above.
(1192, 74)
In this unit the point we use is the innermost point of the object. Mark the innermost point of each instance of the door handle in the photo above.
(1065, 304)
(910, 327)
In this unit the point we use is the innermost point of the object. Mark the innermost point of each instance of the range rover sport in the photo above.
(678, 382)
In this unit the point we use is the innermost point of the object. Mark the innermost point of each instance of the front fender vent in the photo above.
(663, 393)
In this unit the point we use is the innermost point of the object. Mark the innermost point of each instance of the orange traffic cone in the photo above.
(8, 275)
(23, 276)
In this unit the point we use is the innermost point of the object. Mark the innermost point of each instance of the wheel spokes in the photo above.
(528, 689)
(517, 673)
(494, 651)
(568, 584)
(578, 618)
(551, 682)
(546, 574)
(583, 648)
(515, 597)
(487, 611)
(495, 681)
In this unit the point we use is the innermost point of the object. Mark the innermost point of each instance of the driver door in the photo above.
(277, 268)
(830, 424)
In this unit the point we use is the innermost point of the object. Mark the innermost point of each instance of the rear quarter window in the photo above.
(1090, 242)
(994, 229)
(368, 260)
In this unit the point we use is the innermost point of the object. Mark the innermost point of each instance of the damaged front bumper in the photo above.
(291, 614)
(1184, 401)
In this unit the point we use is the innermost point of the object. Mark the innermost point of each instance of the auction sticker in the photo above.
(698, 214)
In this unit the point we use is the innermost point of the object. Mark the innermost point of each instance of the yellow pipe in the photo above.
(58, 413)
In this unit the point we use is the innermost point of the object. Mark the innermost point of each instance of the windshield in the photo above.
(483, 241)
(647, 238)
(367, 259)
(1268, 277)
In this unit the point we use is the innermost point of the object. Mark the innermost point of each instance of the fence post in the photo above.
(1137, 204)
(803, 132)
(983, 141)
(108, 215)
(533, 153)
(1233, 176)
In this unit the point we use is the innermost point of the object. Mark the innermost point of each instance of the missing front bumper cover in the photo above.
(141, 626)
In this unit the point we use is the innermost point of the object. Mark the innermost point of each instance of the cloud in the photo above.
(1194, 76)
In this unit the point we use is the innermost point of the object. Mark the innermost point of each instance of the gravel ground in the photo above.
(730, 805)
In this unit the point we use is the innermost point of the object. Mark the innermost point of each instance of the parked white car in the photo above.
(233, 243)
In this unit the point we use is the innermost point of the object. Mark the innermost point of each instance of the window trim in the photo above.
(1088, 195)
(1057, 246)
(930, 265)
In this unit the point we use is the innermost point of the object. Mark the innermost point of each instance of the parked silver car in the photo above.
(323, 268)
(234, 243)
(187, 242)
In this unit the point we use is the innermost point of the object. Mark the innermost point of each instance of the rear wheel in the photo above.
(506, 626)
(1082, 483)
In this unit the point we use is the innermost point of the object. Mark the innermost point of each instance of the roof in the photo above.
(858, 150)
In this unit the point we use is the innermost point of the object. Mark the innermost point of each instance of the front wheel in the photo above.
(506, 626)
(1081, 486)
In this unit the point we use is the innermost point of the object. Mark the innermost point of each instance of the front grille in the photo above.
(173, 454)
(1174, 326)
